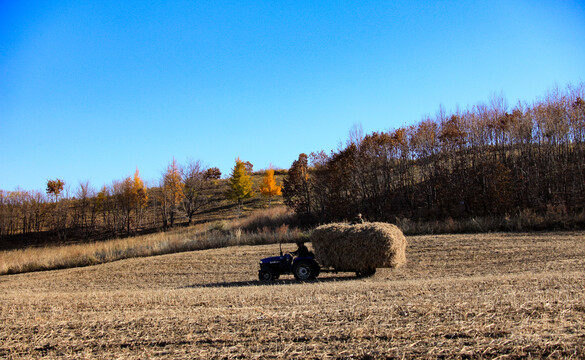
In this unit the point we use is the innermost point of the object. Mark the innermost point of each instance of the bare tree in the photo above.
(195, 176)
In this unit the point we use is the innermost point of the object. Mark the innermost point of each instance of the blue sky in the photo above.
(92, 90)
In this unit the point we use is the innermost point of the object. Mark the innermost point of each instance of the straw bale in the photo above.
(359, 247)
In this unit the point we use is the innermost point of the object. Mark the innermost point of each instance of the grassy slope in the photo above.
(267, 226)
(510, 295)
(223, 209)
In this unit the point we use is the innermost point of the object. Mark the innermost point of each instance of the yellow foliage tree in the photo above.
(240, 183)
(172, 192)
(269, 187)
(139, 196)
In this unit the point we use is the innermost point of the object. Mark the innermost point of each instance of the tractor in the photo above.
(302, 267)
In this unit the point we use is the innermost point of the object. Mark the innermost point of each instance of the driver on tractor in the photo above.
(302, 250)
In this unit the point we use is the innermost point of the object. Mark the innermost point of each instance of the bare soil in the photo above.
(459, 296)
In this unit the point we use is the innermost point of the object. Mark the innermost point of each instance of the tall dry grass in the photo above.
(260, 227)
(554, 218)
(270, 218)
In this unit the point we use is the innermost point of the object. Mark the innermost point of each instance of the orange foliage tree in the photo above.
(269, 187)
(54, 188)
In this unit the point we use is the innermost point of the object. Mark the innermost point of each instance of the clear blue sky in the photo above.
(92, 90)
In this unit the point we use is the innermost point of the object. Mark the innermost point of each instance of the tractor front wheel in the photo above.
(266, 275)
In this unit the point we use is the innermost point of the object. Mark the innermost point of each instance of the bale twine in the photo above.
(359, 247)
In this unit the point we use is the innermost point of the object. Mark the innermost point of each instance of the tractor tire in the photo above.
(366, 273)
(266, 275)
(304, 270)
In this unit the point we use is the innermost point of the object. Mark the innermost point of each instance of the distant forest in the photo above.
(125, 207)
(489, 160)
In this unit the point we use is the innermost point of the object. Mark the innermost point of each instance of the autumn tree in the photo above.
(212, 174)
(139, 197)
(59, 211)
(171, 193)
(240, 183)
(296, 189)
(269, 187)
(55, 188)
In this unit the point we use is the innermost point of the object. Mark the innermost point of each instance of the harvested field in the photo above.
(459, 296)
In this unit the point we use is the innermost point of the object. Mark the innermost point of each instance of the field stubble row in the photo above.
(510, 295)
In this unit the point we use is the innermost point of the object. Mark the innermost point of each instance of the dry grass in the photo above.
(555, 218)
(203, 236)
(271, 218)
(459, 296)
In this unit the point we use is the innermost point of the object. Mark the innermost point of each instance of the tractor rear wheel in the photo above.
(304, 270)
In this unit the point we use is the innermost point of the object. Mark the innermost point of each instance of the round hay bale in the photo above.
(359, 247)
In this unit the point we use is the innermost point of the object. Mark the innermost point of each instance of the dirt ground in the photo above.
(459, 296)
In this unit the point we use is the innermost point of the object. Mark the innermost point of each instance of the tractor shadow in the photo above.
(272, 283)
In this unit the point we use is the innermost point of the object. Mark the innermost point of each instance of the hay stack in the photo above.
(359, 247)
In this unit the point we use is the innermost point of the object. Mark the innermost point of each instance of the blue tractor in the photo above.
(302, 267)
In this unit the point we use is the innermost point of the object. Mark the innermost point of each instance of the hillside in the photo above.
(459, 296)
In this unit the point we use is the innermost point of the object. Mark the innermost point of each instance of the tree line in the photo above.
(488, 160)
(123, 207)
(126, 206)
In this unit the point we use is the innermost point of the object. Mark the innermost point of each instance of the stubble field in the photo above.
(459, 296)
